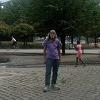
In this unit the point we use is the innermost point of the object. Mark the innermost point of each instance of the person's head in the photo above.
(78, 42)
(52, 34)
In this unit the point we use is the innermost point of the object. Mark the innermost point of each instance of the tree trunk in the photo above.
(25, 40)
(95, 41)
(87, 40)
(72, 39)
(63, 43)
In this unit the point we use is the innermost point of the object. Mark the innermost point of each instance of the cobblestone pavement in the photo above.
(77, 83)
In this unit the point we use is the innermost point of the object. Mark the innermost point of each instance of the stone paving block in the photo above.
(27, 84)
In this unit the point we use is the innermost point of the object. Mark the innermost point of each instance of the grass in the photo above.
(8, 44)
(38, 45)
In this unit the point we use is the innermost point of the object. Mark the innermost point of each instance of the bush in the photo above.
(30, 45)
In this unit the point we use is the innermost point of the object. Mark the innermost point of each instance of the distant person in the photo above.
(14, 42)
(79, 51)
(52, 56)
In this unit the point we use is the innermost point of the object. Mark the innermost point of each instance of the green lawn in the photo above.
(8, 44)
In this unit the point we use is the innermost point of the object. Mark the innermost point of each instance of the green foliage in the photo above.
(72, 17)
(23, 29)
(4, 28)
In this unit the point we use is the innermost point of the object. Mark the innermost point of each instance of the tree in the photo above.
(24, 31)
(67, 17)
(4, 29)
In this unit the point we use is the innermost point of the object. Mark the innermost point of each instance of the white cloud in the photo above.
(3, 0)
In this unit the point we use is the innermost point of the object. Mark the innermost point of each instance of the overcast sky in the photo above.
(3, 0)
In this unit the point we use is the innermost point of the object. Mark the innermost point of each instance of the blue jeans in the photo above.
(52, 65)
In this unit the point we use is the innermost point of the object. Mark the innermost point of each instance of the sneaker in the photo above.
(46, 89)
(54, 87)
